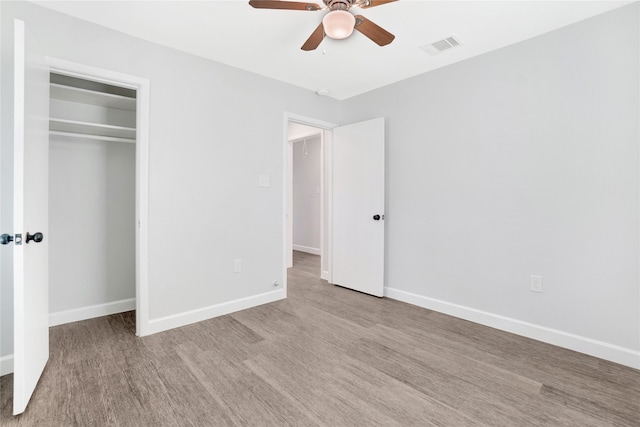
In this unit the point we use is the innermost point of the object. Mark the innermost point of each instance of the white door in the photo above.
(30, 203)
(358, 206)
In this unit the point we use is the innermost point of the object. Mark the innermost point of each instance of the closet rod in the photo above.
(90, 136)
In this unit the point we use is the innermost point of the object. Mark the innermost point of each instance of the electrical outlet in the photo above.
(237, 265)
(535, 283)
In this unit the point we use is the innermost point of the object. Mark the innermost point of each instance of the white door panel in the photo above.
(30, 203)
(358, 195)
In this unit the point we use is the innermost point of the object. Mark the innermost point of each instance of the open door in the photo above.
(358, 206)
(30, 204)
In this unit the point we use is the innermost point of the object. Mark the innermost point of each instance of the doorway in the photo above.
(305, 146)
(92, 161)
(352, 201)
(98, 207)
(308, 200)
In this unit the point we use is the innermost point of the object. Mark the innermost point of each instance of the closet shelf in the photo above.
(74, 94)
(78, 129)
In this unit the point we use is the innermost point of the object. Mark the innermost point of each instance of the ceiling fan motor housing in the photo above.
(339, 4)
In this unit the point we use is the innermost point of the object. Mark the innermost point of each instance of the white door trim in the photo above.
(326, 164)
(288, 250)
(287, 175)
(141, 86)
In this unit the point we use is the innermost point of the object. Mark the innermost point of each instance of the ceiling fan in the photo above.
(338, 23)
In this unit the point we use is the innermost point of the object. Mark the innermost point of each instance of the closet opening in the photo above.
(93, 199)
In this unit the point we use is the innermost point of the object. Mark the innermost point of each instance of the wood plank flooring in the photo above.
(326, 356)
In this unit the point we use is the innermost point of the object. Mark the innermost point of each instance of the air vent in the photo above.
(441, 45)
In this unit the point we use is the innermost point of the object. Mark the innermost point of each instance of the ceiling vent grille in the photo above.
(441, 45)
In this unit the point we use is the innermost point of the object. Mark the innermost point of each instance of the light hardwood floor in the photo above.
(326, 356)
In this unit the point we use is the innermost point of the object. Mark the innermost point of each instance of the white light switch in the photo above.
(237, 265)
(263, 181)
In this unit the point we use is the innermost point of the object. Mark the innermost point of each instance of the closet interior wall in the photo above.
(91, 199)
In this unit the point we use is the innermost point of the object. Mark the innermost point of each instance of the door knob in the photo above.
(37, 237)
(377, 217)
(5, 239)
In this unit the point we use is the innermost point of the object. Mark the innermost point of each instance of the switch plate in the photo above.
(535, 283)
(264, 181)
(237, 265)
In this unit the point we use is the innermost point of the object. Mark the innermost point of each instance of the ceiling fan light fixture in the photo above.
(338, 24)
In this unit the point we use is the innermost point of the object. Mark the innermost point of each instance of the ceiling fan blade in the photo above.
(290, 5)
(314, 39)
(364, 4)
(376, 33)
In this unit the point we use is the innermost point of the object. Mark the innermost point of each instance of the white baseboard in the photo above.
(156, 325)
(324, 275)
(84, 313)
(307, 249)
(603, 350)
(6, 364)
(193, 316)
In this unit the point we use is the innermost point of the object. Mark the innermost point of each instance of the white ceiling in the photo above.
(267, 42)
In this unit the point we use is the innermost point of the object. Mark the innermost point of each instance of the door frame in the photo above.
(141, 86)
(325, 191)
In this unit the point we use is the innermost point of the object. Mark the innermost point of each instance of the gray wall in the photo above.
(214, 129)
(517, 162)
(306, 194)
